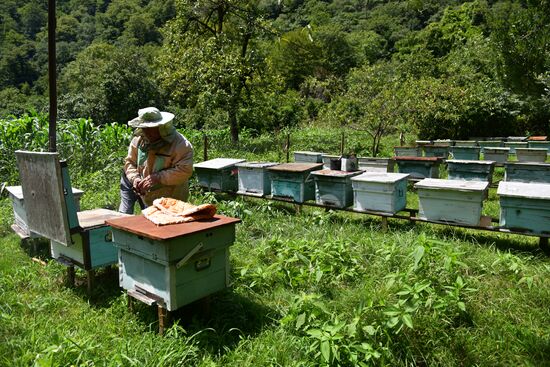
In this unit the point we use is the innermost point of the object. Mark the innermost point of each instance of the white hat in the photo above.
(151, 117)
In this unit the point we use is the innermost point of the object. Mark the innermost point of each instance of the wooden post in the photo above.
(52, 77)
(130, 303)
(70, 276)
(384, 224)
(164, 319)
(205, 148)
(342, 144)
(543, 244)
(90, 277)
(287, 148)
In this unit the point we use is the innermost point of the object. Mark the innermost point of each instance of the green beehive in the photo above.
(218, 174)
(173, 265)
(418, 167)
(537, 155)
(515, 144)
(380, 192)
(333, 188)
(465, 153)
(293, 180)
(466, 143)
(489, 144)
(499, 155)
(470, 170)
(308, 157)
(527, 172)
(374, 164)
(453, 201)
(436, 151)
(525, 206)
(408, 151)
(540, 144)
(254, 178)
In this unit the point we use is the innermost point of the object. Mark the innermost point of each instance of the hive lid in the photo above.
(218, 163)
(524, 190)
(296, 167)
(308, 153)
(527, 165)
(532, 149)
(381, 177)
(420, 159)
(457, 185)
(256, 164)
(516, 138)
(467, 161)
(537, 138)
(465, 147)
(336, 173)
(373, 159)
(497, 149)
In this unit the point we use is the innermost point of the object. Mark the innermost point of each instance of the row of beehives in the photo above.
(524, 206)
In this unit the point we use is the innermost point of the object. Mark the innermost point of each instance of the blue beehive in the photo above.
(453, 201)
(418, 167)
(540, 144)
(466, 143)
(489, 144)
(470, 170)
(308, 157)
(515, 144)
(527, 172)
(465, 153)
(441, 151)
(254, 178)
(375, 164)
(293, 180)
(218, 174)
(408, 151)
(333, 188)
(525, 206)
(380, 192)
(499, 155)
(531, 154)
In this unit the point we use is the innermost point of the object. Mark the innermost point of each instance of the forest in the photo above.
(434, 69)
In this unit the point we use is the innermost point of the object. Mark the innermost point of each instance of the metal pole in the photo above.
(52, 76)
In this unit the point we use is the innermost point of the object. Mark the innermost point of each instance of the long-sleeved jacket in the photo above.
(173, 163)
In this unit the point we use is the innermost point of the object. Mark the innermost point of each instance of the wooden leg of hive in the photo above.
(164, 319)
(70, 276)
(543, 243)
(90, 277)
(130, 303)
(384, 224)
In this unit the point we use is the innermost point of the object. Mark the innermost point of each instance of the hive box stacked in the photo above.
(380, 192)
(218, 174)
(525, 206)
(333, 188)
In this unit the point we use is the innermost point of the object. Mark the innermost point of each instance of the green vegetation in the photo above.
(310, 288)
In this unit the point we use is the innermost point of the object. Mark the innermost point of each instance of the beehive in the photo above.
(465, 153)
(218, 174)
(333, 188)
(527, 172)
(308, 157)
(489, 144)
(408, 151)
(254, 178)
(540, 144)
(499, 155)
(466, 143)
(293, 180)
(515, 144)
(380, 192)
(418, 167)
(372, 164)
(525, 206)
(454, 201)
(531, 154)
(470, 170)
(327, 159)
(436, 151)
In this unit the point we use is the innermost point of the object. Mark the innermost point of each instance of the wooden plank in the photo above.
(455, 185)
(335, 173)
(139, 225)
(296, 167)
(524, 190)
(97, 217)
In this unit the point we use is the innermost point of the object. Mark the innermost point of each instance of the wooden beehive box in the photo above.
(436, 151)
(333, 188)
(454, 201)
(254, 178)
(372, 164)
(465, 153)
(408, 151)
(308, 157)
(470, 170)
(418, 167)
(380, 192)
(293, 180)
(444, 142)
(466, 143)
(327, 158)
(540, 144)
(515, 144)
(421, 143)
(525, 206)
(499, 155)
(527, 172)
(489, 144)
(173, 265)
(218, 174)
(531, 154)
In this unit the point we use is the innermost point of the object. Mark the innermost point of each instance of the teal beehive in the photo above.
(515, 144)
(293, 181)
(465, 153)
(380, 192)
(531, 154)
(527, 172)
(374, 164)
(218, 174)
(308, 157)
(540, 144)
(499, 155)
(440, 151)
(408, 151)
(444, 142)
(418, 167)
(333, 188)
(452, 201)
(466, 143)
(470, 170)
(525, 206)
(489, 144)
(254, 178)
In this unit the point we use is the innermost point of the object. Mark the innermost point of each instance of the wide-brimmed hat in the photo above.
(151, 117)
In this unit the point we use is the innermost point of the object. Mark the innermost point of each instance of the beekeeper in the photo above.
(159, 161)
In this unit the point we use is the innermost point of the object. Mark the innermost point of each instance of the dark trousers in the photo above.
(128, 196)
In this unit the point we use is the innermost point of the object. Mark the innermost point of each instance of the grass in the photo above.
(308, 288)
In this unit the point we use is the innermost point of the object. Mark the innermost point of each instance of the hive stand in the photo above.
(77, 238)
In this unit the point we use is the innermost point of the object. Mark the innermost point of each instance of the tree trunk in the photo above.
(233, 123)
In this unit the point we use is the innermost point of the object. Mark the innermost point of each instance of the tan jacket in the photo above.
(173, 163)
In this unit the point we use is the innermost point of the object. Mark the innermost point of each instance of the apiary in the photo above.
(173, 265)
(20, 226)
(515, 144)
(218, 174)
(466, 143)
(254, 178)
(331, 161)
(418, 167)
(489, 144)
(531, 154)
(380, 192)
(439, 151)
(525, 206)
(470, 170)
(408, 151)
(308, 157)
(333, 188)
(372, 164)
(454, 201)
(499, 155)
(465, 153)
(527, 172)
(294, 181)
(540, 144)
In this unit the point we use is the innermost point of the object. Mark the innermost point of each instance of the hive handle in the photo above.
(186, 258)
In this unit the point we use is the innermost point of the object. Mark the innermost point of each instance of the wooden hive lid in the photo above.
(256, 164)
(472, 162)
(307, 152)
(296, 167)
(218, 163)
(497, 149)
(524, 190)
(532, 149)
(456, 185)
(380, 177)
(537, 138)
(527, 165)
(336, 173)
